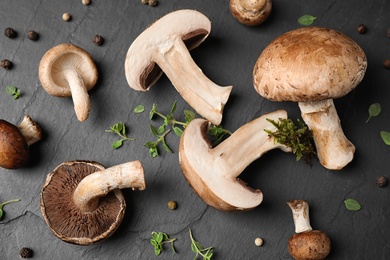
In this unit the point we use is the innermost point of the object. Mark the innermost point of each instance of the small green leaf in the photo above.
(153, 130)
(352, 204)
(150, 144)
(153, 242)
(13, 91)
(385, 137)
(1, 213)
(139, 109)
(117, 144)
(152, 111)
(161, 129)
(166, 147)
(374, 110)
(306, 19)
(153, 152)
(173, 108)
(159, 237)
(157, 251)
(178, 131)
(189, 115)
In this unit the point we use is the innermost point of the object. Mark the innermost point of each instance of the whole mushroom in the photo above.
(15, 142)
(313, 66)
(306, 244)
(67, 70)
(81, 201)
(251, 12)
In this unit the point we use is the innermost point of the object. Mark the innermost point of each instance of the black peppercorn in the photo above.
(361, 28)
(98, 40)
(6, 64)
(10, 33)
(26, 252)
(32, 35)
(386, 64)
(381, 181)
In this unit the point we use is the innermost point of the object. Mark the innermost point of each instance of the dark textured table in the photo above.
(227, 57)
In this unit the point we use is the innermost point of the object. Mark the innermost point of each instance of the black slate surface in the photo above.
(227, 57)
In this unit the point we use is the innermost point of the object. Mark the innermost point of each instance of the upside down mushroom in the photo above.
(250, 12)
(81, 201)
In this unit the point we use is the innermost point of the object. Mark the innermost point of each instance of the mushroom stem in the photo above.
(79, 93)
(30, 130)
(206, 97)
(334, 150)
(300, 210)
(98, 184)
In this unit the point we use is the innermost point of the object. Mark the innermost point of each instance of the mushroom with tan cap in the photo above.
(306, 244)
(251, 12)
(313, 66)
(67, 70)
(164, 47)
(81, 201)
(213, 171)
(15, 142)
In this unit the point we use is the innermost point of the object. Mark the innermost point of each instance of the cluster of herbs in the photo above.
(298, 137)
(160, 238)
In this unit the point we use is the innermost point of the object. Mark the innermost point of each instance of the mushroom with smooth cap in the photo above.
(313, 66)
(306, 243)
(67, 70)
(164, 47)
(81, 201)
(213, 171)
(251, 12)
(15, 142)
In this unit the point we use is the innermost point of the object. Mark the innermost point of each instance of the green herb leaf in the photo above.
(5, 203)
(13, 91)
(197, 248)
(374, 110)
(159, 239)
(178, 131)
(352, 204)
(385, 137)
(119, 129)
(117, 144)
(306, 19)
(139, 109)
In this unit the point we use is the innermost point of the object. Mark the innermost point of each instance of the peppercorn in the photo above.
(6, 64)
(361, 28)
(259, 241)
(386, 64)
(381, 181)
(172, 204)
(66, 17)
(98, 40)
(145, 2)
(32, 35)
(10, 33)
(26, 252)
(86, 2)
(153, 2)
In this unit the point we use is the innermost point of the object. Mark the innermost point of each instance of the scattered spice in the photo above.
(259, 241)
(66, 17)
(86, 2)
(381, 181)
(32, 35)
(10, 33)
(6, 64)
(172, 204)
(153, 2)
(26, 252)
(386, 63)
(361, 29)
(98, 40)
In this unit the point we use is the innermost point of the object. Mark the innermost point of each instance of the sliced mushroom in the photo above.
(312, 66)
(81, 201)
(213, 172)
(67, 70)
(251, 12)
(164, 47)
(15, 142)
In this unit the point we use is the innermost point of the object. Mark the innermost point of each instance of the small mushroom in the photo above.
(251, 12)
(306, 244)
(213, 171)
(313, 66)
(15, 142)
(81, 201)
(164, 47)
(67, 70)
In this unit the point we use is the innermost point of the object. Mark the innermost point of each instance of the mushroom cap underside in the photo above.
(251, 12)
(309, 64)
(140, 67)
(61, 58)
(310, 245)
(14, 151)
(65, 220)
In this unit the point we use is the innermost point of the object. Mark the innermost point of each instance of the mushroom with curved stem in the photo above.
(15, 142)
(251, 12)
(81, 201)
(306, 243)
(313, 66)
(164, 47)
(67, 70)
(213, 172)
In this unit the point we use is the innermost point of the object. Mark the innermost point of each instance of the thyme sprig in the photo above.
(199, 250)
(159, 239)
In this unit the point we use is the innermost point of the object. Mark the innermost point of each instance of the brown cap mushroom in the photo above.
(213, 172)
(15, 142)
(251, 12)
(164, 47)
(81, 201)
(67, 70)
(306, 244)
(312, 66)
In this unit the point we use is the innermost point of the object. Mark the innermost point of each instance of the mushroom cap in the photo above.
(310, 245)
(14, 151)
(65, 220)
(59, 58)
(141, 70)
(250, 12)
(309, 64)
